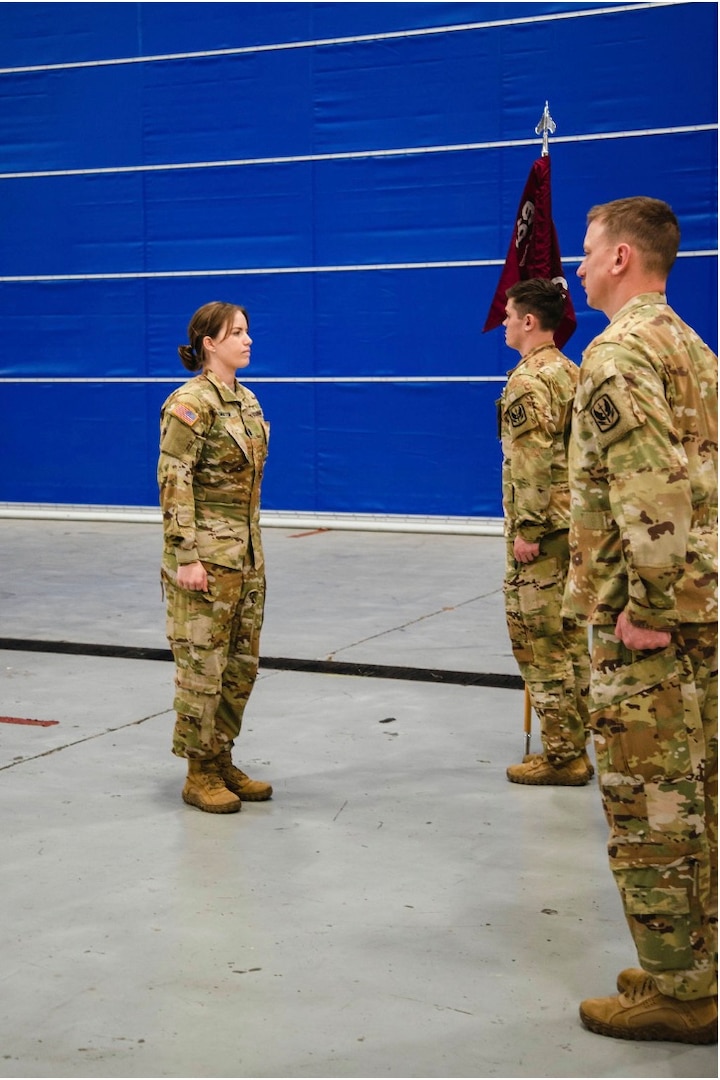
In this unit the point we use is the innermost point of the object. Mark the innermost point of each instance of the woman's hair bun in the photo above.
(189, 357)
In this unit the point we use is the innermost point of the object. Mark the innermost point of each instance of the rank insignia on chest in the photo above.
(604, 413)
(517, 415)
(184, 413)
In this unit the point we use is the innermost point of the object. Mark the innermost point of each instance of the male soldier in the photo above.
(643, 542)
(535, 414)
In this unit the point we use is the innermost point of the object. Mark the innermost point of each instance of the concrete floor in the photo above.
(397, 910)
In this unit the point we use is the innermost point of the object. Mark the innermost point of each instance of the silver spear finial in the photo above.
(546, 126)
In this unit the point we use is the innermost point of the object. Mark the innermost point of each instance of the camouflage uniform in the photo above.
(643, 540)
(535, 413)
(213, 445)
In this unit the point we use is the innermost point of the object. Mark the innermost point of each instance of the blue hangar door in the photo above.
(350, 173)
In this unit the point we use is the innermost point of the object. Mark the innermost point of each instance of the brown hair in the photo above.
(540, 297)
(648, 223)
(208, 321)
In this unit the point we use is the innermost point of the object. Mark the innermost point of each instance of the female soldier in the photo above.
(213, 444)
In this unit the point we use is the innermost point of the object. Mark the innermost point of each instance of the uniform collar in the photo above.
(224, 391)
(641, 300)
(533, 352)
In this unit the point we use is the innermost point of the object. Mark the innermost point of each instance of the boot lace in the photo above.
(213, 779)
(641, 989)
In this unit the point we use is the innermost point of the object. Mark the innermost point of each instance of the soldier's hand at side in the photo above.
(639, 638)
(192, 576)
(524, 551)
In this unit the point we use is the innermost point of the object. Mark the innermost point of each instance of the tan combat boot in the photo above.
(236, 780)
(588, 763)
(573, 773)
(640, 1011)
(205, 788)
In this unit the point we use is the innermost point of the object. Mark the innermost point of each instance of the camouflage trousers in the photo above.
(654, 719)
(215, 641)
(551, 652)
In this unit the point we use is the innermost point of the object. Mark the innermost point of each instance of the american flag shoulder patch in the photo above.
(184, 413)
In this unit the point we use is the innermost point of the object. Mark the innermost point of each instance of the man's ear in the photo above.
(622, 258)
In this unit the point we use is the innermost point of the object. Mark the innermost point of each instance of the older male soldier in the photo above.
(535, 414)
(643, 542)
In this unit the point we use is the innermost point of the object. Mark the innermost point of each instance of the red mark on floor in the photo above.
(21, 720)
(313, 532)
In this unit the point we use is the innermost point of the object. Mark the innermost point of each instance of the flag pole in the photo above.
(545, 127)
(527, 721)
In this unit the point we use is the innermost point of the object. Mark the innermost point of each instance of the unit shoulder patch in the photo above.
(613, 412)
(521, 415)
(517, 414)
(604, 413)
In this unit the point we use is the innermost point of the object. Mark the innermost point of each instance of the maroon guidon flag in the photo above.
(534, 250)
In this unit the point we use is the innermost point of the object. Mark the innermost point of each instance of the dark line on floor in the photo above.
(278, 663)
(388, 671)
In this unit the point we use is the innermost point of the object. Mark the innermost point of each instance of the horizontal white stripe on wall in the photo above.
(353, 155)
(354, 39)
(282, 379)
(281, 519)
(249, 271)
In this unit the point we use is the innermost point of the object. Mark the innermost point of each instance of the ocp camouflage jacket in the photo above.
(643, 473)
(535, 414)
(213, 446)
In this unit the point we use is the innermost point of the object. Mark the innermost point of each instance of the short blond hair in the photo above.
(649, 224)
